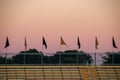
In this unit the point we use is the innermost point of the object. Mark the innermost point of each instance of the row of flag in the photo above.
(97, 43)
(62, 42)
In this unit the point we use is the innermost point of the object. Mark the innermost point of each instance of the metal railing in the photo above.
(59, 72)
(9, 55)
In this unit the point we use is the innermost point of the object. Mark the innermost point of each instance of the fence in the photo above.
(42, 59)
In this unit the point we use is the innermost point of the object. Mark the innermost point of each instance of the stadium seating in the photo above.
(59, 72)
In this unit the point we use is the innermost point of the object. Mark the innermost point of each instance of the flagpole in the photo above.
(24, 58)
(62, 43)
(43, 44)
(113, 56)
(95, 57)
(6, 56)
(42, 56)
(77, 57)
(6, 46)
(60, 50)
(77, 54)
(78, 43)
(25, 44)
(96, 47)
(60, 56)
(114, 46)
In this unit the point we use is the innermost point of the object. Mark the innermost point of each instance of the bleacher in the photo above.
(59, 72)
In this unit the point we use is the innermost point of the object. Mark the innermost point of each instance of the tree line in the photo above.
(33, 56)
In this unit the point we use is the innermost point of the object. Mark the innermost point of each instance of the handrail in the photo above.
(62, 72)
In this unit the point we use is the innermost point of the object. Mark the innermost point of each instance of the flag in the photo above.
(113, 43)
(44, 43)
(78, 43)
(7, 43)
(62, 41)
(25, 43)
(96, 43)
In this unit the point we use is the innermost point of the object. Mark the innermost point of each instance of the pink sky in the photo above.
(55, 18)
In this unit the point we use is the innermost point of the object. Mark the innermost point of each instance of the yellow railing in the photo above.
(59, 72)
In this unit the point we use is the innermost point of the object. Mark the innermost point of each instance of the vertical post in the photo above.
(24, 59)
(60, 56)
(113, 57)
(25, 44)
(77, 58)
(95, 57)
(6, 58)
(42, 56)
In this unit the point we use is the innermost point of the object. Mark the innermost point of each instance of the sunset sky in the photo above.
(55, 18)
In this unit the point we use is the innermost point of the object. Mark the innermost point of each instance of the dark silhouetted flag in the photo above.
(113, 43)
(63, 42)
(44, 43)
(78, 43)
(96, 43)
(7, 43)
(25, 43)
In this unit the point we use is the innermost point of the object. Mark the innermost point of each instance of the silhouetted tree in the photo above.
(30, 51)
(70, 57)
(2, 60)
(107, 59)
(32, 56)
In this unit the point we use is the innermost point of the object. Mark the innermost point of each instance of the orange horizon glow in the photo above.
(55, 18)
